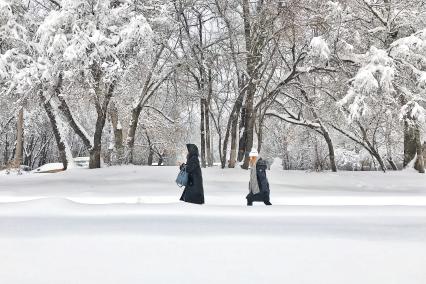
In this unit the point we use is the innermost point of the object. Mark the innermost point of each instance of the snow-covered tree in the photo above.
(134, 80)
(409, 54)
(87, 43)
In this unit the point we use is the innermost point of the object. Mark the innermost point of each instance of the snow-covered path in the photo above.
(124, 225)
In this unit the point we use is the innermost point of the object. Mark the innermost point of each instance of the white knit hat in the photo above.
(253, 153)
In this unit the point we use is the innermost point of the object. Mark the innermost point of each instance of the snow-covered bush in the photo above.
(347, 159)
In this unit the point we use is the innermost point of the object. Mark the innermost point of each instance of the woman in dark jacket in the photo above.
(194, 192)
(259, 185)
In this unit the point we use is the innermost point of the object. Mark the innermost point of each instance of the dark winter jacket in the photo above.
(261, 167)
(262, 180)
(194, 192)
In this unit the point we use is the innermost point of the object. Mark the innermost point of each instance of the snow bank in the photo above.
(49, 167)
(155, 185)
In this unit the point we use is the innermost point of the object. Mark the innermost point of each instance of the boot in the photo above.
(249, 198)
(267, 202)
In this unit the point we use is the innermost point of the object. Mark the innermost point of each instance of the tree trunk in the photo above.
(260, 135)
(6, 150)
(235, 122)
(64, 108)
(371, 149)
(208, 137)
(364, 143)
(424, 153)
(132, 132)
(118, 134)
(232, 122)
(151, 149)
(43, 144)
(211, 151)
(29, 150)
(95, 151)
(145, 94)
(410, 141)
(60, 140)
(242, 135)
(248, 129)
(286, 157)
(379, 159)
(73, 124)
(318, 162)
(150, 156)
(19, 138)
(219, 148)
(207, 118)
(234, 139)
(413, 146)
(225, 143)
(392, 164)
(254, 42)
(43, 155)
(160, 159)
(330, 149)
(420, 163)
(102, 110)
(203, 134)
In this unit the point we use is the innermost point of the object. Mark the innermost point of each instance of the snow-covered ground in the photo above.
(125, 225)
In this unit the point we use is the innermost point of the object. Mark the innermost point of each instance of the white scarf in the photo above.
(253, 186)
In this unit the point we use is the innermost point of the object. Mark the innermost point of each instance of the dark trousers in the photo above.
(258, 197)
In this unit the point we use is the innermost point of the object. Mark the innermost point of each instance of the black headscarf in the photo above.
(192, 150)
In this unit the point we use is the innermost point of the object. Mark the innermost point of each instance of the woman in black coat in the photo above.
(259, 190)
(194, 192)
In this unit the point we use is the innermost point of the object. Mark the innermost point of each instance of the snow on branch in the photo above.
(372, 85)
(4, 127)
(161, 113)
(293, 119)
(319, 49)
(375, 12)
(409, 54)
(412, 111)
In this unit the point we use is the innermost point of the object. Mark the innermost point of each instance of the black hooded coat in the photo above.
(194, 192)
(263, 183)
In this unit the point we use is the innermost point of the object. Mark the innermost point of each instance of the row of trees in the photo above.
(321, 84)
